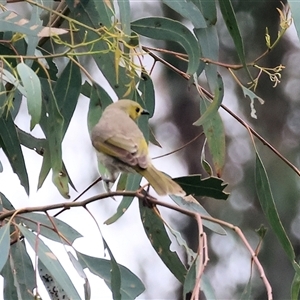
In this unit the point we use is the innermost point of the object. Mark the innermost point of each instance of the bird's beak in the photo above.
(145, 112)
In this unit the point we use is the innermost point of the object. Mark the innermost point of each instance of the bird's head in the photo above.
(132, 108)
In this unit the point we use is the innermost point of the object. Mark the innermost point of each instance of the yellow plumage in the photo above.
(121, 146)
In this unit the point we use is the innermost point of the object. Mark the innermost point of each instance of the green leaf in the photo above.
(99, 99)
(209, 42)
(188, 10)
(9, 289)
(9, 77)
(212, 109)
(252, 97)
(46, 167)
(4, 244)
(209, 187)
(160, 241)
(124, 8)
(295, 288)
(190, 278)
(3, 98)
(5, 202)
(207, 288)
(67, 91)
(208, 9)
(133, 183)
(170, 30)
(204, 163)
(115, 274)
(190, 254)
(232, 26)
(55, 291)
(51, 262)
(148, 94)
(295, 9)
(246, 295)
(215, 135)
(52, 123)
(11, 146)
(30, 141)
(269, 208)
(131, 285)
(23, 272)
(191, 204)
(40, 223)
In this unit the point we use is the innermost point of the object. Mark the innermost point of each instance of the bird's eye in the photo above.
(137, 109)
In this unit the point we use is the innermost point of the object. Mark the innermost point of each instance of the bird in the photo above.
(122, 147)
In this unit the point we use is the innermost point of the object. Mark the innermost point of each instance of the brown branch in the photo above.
(240, 120)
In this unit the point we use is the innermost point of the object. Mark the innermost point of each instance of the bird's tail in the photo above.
(162, 184)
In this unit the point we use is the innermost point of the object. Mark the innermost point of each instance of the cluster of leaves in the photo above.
(29, 71)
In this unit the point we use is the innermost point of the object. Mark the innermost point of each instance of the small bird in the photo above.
(121, 146)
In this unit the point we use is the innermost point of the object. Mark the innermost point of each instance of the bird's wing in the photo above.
(125, 149)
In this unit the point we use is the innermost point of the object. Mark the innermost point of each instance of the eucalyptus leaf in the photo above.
(4, 244)
(22, 269)
(33, 89)
(131, 285)
(188, 10)
(40, 223)
(51, 263)
(269, 208)
(160, 241)
(170, 30)
(232, 26)
(10, 144)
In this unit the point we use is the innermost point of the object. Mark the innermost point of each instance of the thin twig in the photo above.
(180, 148)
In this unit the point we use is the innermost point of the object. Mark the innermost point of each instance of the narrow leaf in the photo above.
(269, 208)
(208, 9)
(295, 288)
(131, 285)
(4, 244)
(40, 222)
(295, 9)
(99, 99)
(170, 30)
(189, 11)
(215, 135)
(160, 241)
(9, 289)
(33, 89)
(115, 274)
(214, 106)
(55, 291)
(232, 26)
(11, 146)
(23, 273)
(51, 262)
(190, 203)
(124, 8)
(67, 91)
(209, 42)
(190, 278)
(133, 183)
